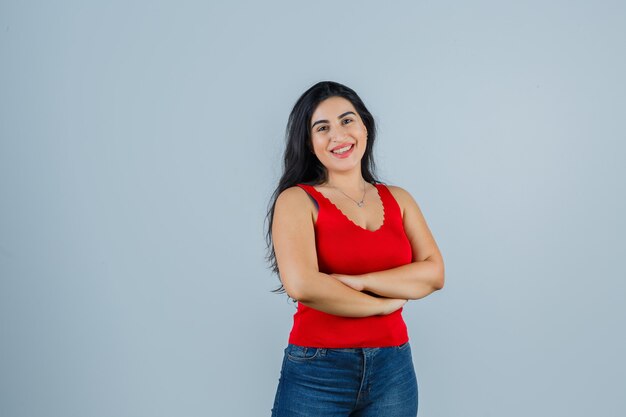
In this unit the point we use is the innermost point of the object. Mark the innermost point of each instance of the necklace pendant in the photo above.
(360, 203)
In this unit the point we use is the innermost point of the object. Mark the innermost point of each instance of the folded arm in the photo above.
(413, 281)
(326, 294)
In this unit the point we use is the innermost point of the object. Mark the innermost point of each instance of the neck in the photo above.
(346, 181)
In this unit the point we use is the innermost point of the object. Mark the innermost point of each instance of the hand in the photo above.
(353, 281)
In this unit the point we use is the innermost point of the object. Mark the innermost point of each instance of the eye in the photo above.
(320, 129)
(348, 119)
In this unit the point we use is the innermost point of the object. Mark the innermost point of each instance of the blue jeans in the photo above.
(347, 382)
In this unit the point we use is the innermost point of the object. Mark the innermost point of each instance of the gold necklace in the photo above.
(358, 203)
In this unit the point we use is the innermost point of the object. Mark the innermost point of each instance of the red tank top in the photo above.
(344, 247)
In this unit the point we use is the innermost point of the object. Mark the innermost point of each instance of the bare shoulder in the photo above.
(397, 190)
(293, 198)
(402, 196)
(291, 194)
(295, 204)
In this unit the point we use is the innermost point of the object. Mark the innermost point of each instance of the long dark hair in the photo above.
(300, 165)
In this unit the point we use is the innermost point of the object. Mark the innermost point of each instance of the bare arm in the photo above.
(413, 281)
(326, 294)
(293, 237)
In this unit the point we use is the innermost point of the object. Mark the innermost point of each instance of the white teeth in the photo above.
(342, 150)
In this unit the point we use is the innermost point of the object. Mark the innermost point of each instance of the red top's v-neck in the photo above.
(349, 219)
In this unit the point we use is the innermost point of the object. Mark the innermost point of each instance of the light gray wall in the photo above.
(140, 142)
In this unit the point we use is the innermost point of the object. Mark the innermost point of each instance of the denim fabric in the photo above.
(347, 382)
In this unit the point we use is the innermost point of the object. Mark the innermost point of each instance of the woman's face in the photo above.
(336, 124)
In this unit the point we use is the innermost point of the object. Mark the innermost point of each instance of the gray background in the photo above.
(140, 142)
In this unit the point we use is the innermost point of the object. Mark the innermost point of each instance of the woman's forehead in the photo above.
(333, 107)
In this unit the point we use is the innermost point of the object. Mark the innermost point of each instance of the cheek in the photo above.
(360, 130)
(316, 143)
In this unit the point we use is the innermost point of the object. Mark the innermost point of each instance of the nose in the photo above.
(339, 134)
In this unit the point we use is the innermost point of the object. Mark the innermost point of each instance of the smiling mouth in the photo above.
(345, 149)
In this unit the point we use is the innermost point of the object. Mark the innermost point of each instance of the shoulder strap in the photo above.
(391, 204)
(312, 192)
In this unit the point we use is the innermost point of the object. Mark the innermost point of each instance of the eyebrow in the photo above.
(338, 117)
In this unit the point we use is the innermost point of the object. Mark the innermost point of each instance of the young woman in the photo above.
(351, 251)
